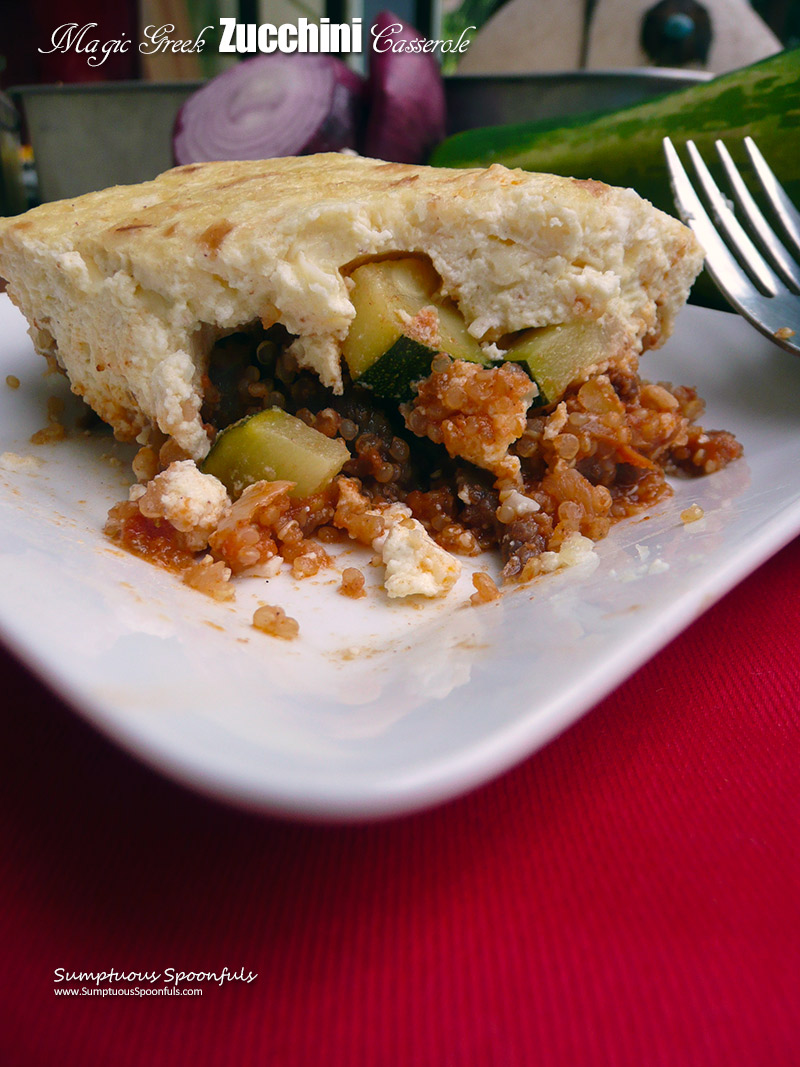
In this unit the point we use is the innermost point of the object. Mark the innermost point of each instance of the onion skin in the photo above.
(345, 121)
(407, 115)
(272, 105)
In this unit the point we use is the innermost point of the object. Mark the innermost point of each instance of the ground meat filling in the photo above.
(467, 458)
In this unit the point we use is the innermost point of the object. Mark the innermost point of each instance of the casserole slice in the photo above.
(466, 342)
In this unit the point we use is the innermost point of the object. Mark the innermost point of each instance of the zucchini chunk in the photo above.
(392, 375)
(556, 356)
(275, 446)
(380, 349)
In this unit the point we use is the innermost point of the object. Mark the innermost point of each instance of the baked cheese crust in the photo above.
(130, 287)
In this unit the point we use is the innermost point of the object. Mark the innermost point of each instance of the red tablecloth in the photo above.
(628, 896)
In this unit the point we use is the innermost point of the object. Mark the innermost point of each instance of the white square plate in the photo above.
(378, 707)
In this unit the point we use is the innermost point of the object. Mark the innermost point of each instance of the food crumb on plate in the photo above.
(692, 514)
(55, 429)
(352, 584)
(273, 620)
(658, 566)
(11, 461)
(12, 381)
(485, 588)
(211, 577)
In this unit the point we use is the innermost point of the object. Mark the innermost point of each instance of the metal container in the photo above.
(13, 197)
(494, 100)
(88, 137)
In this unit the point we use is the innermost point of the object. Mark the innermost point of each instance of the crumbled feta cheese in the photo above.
(658, 566)
(193, 502)
(415, 564)
(516, 503)
(574, 549)
(646, 567)
(392, 515)
(495, 354)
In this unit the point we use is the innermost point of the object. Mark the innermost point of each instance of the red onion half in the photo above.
(407, 102)
(271, 105)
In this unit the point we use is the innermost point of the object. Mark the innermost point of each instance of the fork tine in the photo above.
(753, 259)
(719, 260)
(782, 259)
(779, 200)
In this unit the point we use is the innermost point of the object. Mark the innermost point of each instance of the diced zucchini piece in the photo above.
(275, 446)
(381, 291)
(393, 374)
(556, 356)
(385, 295)
(454, 337)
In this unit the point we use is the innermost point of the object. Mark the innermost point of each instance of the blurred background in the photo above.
(68, 125)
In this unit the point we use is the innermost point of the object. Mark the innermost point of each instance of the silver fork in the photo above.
(763, 285)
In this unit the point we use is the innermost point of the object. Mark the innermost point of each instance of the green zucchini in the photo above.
(378, 351)
(556, 356)
(275, 446)
(394, 373)
(624, 147)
